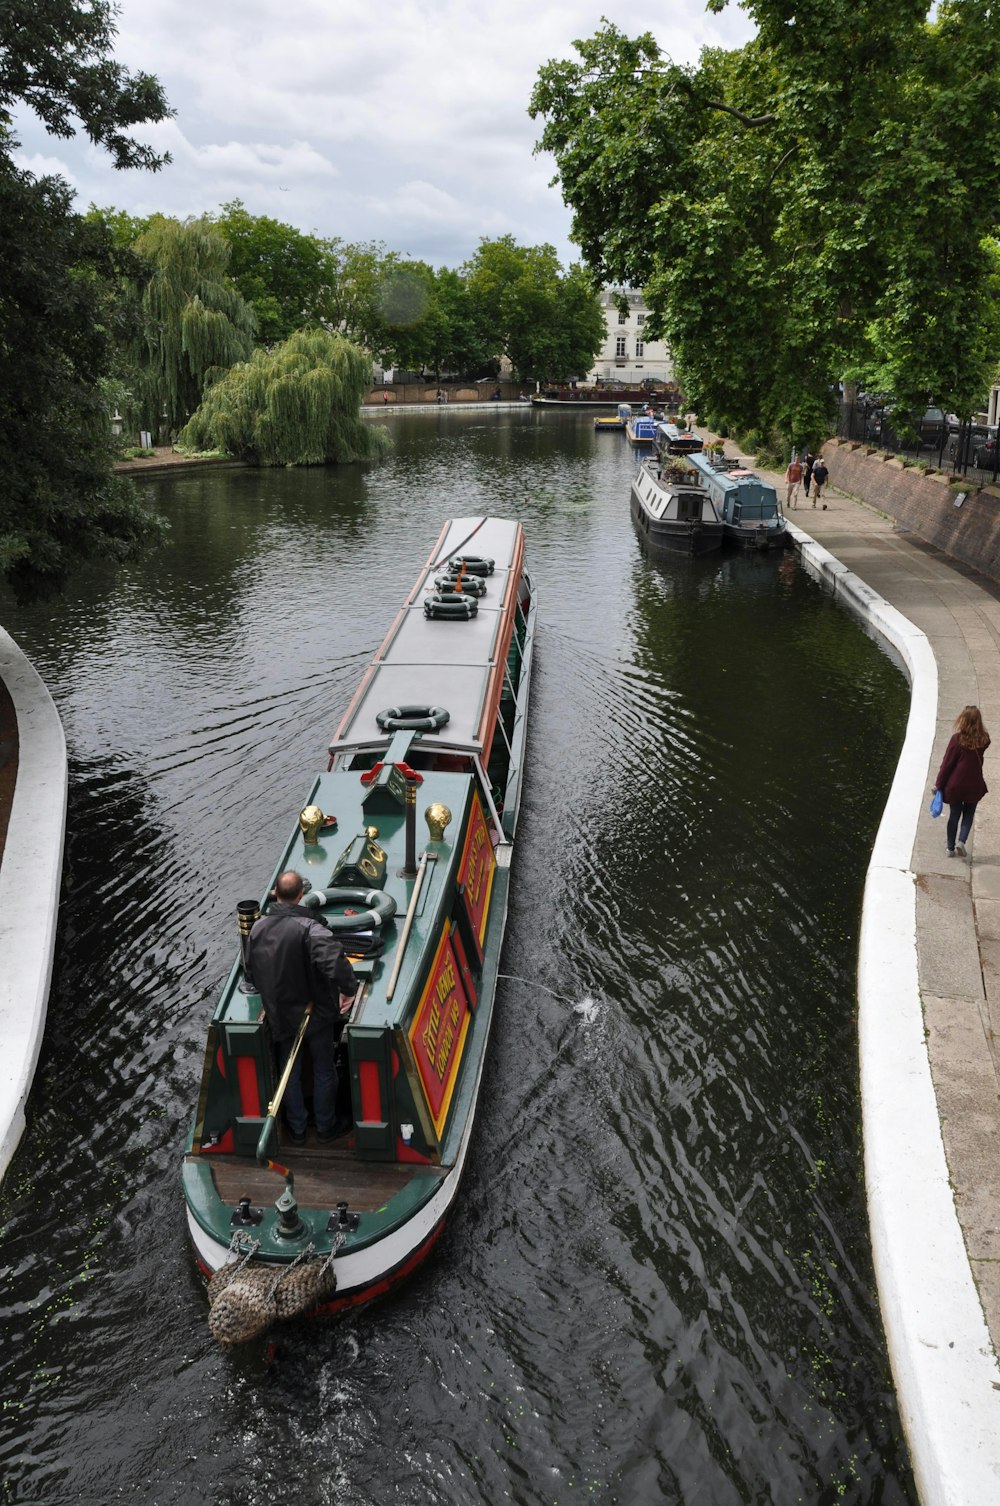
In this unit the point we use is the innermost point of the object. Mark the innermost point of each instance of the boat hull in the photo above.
(756, 540)
(674, 536)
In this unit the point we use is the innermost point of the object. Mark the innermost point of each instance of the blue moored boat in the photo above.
(747, 504)
(641, 430)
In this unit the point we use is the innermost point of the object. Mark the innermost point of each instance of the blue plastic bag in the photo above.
(937, 803)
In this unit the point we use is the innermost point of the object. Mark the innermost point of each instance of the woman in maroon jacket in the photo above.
(960, 777)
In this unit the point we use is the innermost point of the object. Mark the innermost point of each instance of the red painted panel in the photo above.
(371, 1093)
(439, 1029)
(246, 1074)
(464, 969)
(475, 872)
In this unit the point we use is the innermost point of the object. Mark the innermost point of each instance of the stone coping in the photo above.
(30, 879)
(943, 1362)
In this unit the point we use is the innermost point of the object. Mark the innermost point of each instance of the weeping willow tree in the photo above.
(298, 404)
(195, 324)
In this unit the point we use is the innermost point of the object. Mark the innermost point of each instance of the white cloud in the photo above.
(405, 123)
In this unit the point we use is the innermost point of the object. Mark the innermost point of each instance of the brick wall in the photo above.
(925, 505)
(426, 392)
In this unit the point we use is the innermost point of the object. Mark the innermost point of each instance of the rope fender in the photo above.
(471, 564)
(457, 606)
(382, 907)
(413, 718)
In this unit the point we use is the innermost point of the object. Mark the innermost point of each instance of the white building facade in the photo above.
(627, 357)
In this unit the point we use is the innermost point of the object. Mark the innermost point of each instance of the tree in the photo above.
(297, 404)
(416, 327)
(58, 319)
(195, 323)
(456, 344)
(816, 205)
(357, 309)
(550, 326)
(59, 501)
(286, 276)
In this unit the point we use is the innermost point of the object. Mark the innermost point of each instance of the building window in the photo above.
(620, 345)
(622, 318)
(640, 318)
(638, 349)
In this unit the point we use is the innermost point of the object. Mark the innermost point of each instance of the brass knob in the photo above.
(437, 817)
(310, 821)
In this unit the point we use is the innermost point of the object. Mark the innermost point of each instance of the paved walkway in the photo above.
(958, 903)
(947, 912)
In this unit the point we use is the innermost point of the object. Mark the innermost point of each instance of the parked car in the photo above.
(985, 454)
(935, 429)
(966, 439)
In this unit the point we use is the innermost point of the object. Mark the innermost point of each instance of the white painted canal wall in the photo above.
(30, 878)
(944, 1367)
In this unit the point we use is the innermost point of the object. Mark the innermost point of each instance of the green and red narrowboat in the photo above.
(406, 839)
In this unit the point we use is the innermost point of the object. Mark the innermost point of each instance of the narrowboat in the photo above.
(748, 505)
(673, 510)
(641, 430)
(419, 903)
(672, 439)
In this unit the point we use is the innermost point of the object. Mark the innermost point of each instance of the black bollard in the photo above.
(247, 912)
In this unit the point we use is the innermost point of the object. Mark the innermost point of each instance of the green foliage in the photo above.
(60, 500)
(60, 320)
(816, 205)
(295, 405)
(550, 326)
(195, 322)
(54, 58)
(287, 277)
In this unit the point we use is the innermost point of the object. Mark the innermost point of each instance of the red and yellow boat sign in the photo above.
(475, 871)
(439, 1028)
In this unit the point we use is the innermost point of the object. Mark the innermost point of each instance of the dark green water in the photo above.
(657, 1285)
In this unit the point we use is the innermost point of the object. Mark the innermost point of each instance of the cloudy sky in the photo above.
(404, 122)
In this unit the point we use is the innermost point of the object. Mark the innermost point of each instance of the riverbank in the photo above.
(929, 1003)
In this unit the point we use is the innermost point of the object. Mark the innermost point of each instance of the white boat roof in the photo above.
(444, 662)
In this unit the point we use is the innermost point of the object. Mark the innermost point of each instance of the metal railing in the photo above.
(968, 449)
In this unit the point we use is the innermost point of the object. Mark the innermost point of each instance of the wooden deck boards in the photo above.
(324, 1176)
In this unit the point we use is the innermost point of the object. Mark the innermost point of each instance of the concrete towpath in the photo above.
(929, 1002)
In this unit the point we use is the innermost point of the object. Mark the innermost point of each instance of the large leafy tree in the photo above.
(358, 307)
(550, 326)
(456, 344)
(195, 324)
(286, 276)
(817, 205)
(60, 500)
(298, 404)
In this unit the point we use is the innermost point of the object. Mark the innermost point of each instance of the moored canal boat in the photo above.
(439, 721)
(747, 504)
(641, 430)
(619, 421)
(673, 510)
(674, 439)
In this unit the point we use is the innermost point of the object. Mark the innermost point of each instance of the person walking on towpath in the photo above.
(819, 476)
(808, 461)
(960, 777)
(793, 475)
(295, 961)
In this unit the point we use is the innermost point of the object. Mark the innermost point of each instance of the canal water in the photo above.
(657, 1285)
